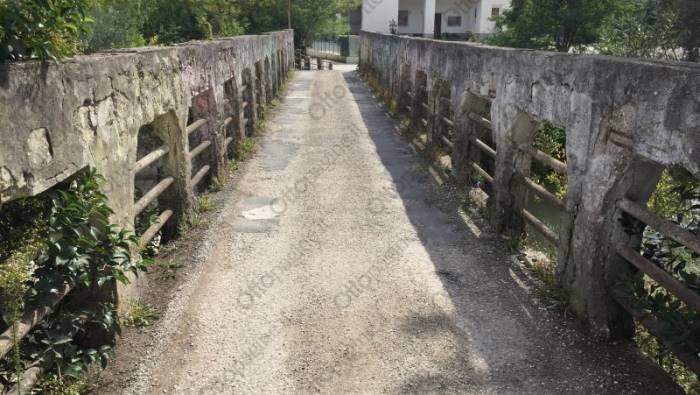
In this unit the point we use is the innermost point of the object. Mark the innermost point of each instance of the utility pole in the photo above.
(289, 14)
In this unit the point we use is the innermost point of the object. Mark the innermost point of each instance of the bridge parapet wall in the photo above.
(625, 120)
(56, 119)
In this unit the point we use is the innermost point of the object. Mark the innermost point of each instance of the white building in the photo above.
(432, 18)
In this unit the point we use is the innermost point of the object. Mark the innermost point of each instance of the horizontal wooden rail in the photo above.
(483, 146)
(480, 120)
(196, 125)
(150, 158)
(544, 193)
(199, 149)
(30, 319)
(409, 108)
(447, 142)
(657, 328)
(153, 230)
(685, 294)
(151, 195)
(425, 105)
(200, 175)
(664, 226)
(540, 226)
(482, 172)
(554, 164)
(447, 121)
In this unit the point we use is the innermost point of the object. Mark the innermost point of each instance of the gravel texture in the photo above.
(338, 265)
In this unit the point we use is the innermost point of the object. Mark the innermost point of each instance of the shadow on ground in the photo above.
(505, 340)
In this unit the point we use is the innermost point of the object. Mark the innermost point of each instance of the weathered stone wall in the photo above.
(625, 120)
(56, 119)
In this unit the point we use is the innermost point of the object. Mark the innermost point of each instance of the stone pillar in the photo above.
(428, 18)
(511, 130)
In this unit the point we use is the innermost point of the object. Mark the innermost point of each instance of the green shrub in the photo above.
(676, 198)
(69, 241)
(118, 24)
(42, 29)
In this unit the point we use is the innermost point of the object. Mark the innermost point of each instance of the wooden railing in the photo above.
(537, 189)
(34, 316)
(677, 288)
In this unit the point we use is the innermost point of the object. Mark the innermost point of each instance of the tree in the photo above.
(551, 24)
(119, 24)
(42, 29)
(688, 27)
(310, 18)
(665, 29)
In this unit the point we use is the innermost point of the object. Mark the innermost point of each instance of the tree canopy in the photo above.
(667, 29)
(551, 24)
(52, 29)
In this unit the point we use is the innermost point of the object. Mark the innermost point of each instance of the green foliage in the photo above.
(42, 29)
(119, 24)
(73, 243)
(204, 204)
(139, 314)
(552, 141)
(169, 21)
(666, 29)
(246, 148)
(56, 385)
(167, 268)
(677, 198)
(143, 221)
(551, 24)
(310, 18)
(15, 274)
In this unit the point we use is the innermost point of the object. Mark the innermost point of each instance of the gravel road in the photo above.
(337, 266)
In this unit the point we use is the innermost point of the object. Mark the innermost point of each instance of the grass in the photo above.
(247, 147)
(167, 268)
(234, 165)
(194, 220)
(139, 314)
(204, 204)
(65, 385)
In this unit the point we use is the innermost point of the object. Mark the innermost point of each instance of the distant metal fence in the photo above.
(342, 46)
(327, 44)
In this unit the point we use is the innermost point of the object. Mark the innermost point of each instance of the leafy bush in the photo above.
(42, 29)
(552, 141)
(677, 198)
(119, 24)
(72, 242)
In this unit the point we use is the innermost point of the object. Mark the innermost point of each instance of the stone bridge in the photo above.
(335, 262)
(88, 111)
(625, 121)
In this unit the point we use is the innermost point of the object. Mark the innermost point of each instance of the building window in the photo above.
(454, 20)
(495, 11)
(403, 18)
